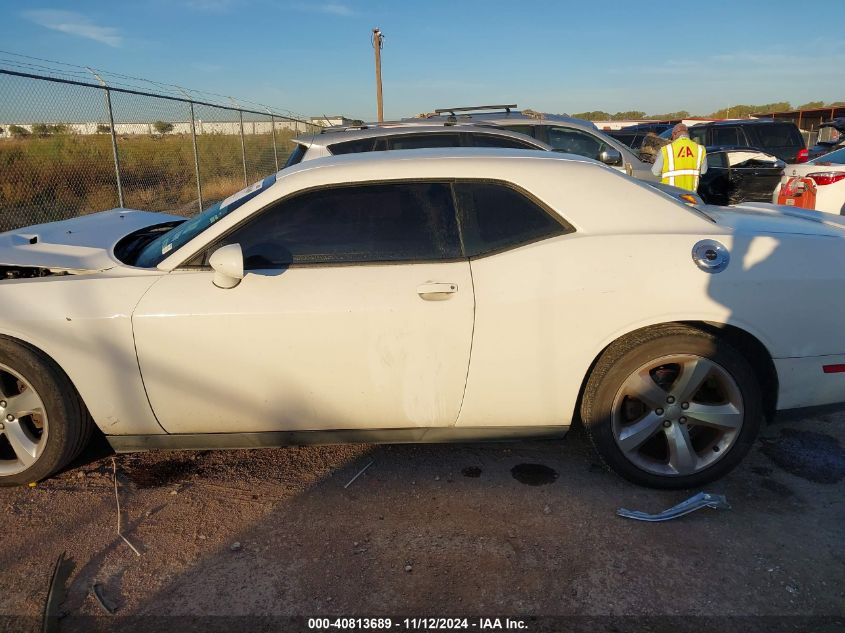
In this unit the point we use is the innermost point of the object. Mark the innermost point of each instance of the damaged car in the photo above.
(739, 174)
(462, 294)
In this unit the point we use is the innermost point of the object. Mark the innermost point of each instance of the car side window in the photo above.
(357, 223)
(296, 155)
(528, 130)
(698, 135)
(495, 216)
(353, 147)
(716, 160)
(726, 136)
(491, 140)
(423, 141)
(575, 142)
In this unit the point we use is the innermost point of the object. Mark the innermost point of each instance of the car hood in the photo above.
(85, 243)
(763, 217)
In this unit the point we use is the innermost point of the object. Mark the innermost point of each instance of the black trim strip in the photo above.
(268, 439)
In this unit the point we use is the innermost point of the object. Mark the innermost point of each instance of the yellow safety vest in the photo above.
(682, 160)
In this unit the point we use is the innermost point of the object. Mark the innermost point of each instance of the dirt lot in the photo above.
(430, 530)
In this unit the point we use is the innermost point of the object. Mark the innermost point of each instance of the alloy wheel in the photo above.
(23, 423)
(677, 415)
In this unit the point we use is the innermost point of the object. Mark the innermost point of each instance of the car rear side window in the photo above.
(357, 223)
(354, 147)
(727, 136)
(296, 155)
(491, 140)
(423, 141)
(528, 130)
(778, 135)
(495, 216)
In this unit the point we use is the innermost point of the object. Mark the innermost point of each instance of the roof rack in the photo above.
(505, 107)
(343, 128)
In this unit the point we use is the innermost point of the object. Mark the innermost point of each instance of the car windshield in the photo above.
(154, 252)
(834, 158)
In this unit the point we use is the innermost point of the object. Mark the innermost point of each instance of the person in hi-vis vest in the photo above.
(681, 162)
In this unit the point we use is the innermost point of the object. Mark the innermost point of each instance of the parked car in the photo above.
(837, 127)
(455, 294)
(779, 138)
(335, 141)
(375, 137)
(634, 135)
(818, 184)
(562, 133)
(739, 174)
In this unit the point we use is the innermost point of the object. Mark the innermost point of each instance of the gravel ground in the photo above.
(521, 528)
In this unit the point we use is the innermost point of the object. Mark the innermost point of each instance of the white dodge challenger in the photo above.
(436, 295)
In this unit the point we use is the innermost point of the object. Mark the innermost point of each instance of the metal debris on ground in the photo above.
(696, 502)
(117, 500)
(97, 590)
(56, 594)
(360, 472)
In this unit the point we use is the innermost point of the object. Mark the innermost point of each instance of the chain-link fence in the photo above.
(72, 146)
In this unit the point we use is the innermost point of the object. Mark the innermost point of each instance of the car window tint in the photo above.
(778, 135)
(296, 155)
(528, 130)
(575, 142)
(353, 147)
(422, 141)
(726, 136)
(698, 135)
(716, 160)
(491, 140)
(495, 216)
(358, 223)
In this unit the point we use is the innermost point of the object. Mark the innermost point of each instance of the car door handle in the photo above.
(436, 291)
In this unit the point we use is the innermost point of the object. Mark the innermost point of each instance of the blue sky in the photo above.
(314, 57)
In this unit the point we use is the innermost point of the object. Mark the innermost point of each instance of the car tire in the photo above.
(621, 407)
(63, 418)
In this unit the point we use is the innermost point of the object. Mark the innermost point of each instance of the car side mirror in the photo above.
(611, 156)
(228, 265)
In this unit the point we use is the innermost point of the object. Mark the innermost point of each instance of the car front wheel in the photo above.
(43, 423)
(672, 407)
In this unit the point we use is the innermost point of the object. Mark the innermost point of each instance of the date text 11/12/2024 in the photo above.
(417, 624)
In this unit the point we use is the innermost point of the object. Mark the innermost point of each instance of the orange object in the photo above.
(798, 192)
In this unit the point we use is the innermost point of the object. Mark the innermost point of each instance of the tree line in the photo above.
(735, 111)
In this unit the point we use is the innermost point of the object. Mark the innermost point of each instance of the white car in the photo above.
(827, 176)
(427, 295)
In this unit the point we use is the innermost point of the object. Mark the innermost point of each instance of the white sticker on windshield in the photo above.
(166, 248)
(243, 192)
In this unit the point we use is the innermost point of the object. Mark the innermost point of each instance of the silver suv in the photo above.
(382, 137)
(561, 133)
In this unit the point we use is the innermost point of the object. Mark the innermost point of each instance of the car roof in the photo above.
(740, 122)
(331, 137)
(501, 118)
(559, 180)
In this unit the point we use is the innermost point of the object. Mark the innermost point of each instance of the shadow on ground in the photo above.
(522, 528)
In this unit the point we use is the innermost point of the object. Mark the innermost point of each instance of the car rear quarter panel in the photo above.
(83, 322)
(544, 312)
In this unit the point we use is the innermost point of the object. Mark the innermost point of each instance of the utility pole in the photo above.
(378, 42)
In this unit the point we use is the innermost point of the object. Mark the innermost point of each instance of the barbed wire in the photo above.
(17, 61)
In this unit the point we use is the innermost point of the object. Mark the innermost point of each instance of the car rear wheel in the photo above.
(43, 423)
(672, 407)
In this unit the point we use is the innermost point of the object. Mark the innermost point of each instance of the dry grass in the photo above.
(64, 175)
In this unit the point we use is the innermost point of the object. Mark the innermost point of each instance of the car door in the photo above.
(356, 311)
(514, 373)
